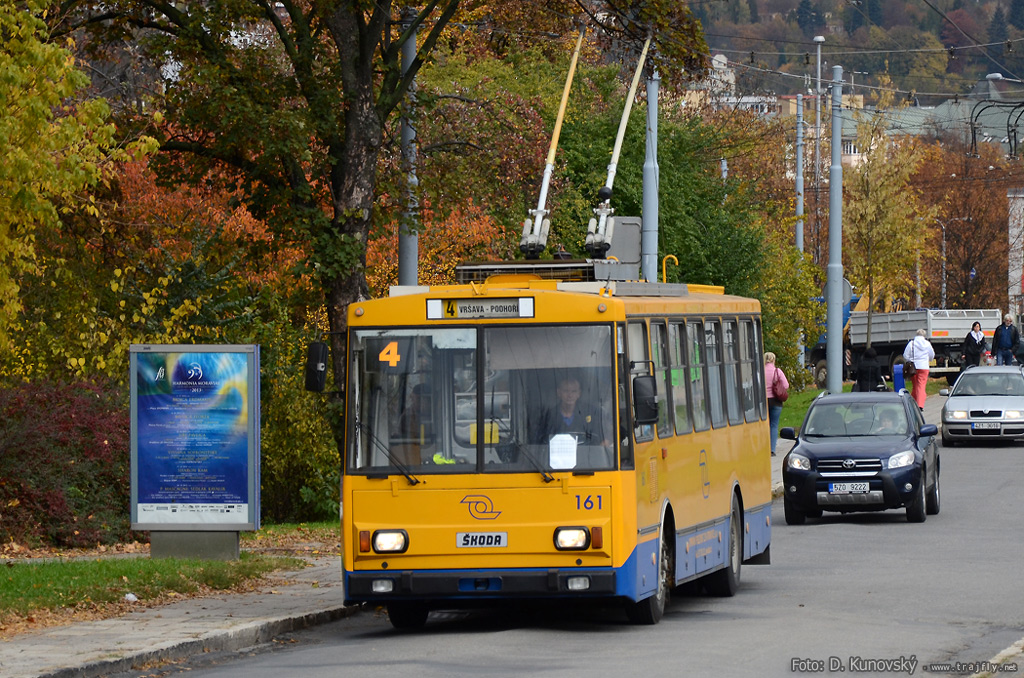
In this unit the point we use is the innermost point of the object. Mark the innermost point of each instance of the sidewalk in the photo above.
(221, 623)
(172, 632)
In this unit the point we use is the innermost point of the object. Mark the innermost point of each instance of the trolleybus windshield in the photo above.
(482, 399)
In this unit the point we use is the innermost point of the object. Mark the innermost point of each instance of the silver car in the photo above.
(985, 403)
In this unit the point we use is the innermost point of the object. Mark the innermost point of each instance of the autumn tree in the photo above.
(53, 145)
(968, 193)
(466, 233)
(884, 223)
(294, 100)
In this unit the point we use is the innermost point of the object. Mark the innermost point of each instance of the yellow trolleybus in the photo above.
(532, 434)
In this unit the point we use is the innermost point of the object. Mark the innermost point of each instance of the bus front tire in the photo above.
(407, 614)
(726, 581)
(651, 609)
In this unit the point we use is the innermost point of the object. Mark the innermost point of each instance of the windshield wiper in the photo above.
(413, 480)
(535, 462)
(523, 450)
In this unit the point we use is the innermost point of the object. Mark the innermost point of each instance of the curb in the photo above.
(216, 641)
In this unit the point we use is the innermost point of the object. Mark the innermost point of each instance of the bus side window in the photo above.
(759, 386)
(660, 356)
(636, 348)
(748, 370)
(732, 386)
(678, 377)
(713, 347)
(697, 382)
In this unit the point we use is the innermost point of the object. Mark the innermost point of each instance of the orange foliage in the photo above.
(174, 217)
(467, 233)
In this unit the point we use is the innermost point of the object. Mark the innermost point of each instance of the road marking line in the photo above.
(1014, 650)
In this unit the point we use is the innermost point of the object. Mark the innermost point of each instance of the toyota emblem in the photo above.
(849, 463)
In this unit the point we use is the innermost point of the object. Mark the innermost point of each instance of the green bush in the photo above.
(300, 468)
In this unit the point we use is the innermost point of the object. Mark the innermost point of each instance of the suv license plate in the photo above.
(847, 488)
(985, 424)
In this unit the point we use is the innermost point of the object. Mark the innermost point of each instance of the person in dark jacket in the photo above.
(572, 416)
(1005, 340)
(869, 372)
(974, 346)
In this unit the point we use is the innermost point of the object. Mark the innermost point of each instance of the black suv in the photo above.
(861, 452)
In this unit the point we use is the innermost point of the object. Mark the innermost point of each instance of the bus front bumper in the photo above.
(382, 586)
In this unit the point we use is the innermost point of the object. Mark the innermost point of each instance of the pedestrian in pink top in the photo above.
(777, 389)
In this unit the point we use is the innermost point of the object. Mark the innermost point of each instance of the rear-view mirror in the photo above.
(645, 400)
(316, 366)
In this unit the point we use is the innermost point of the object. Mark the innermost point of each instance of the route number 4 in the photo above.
(390, 354)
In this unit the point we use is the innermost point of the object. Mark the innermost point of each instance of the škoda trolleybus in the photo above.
(525, 437)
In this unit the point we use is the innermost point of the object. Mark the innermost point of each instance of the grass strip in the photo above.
(26, 586)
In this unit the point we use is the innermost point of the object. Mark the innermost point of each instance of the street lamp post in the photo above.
(818, 40)
(943, 294)
(942, 224)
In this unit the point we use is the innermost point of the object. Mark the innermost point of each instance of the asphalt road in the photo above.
(845, 593)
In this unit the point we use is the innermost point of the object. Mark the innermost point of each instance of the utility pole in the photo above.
(649, 221)
(800, 172)
(834, 271)
(818, 40)
(408, 240)
(800, 204)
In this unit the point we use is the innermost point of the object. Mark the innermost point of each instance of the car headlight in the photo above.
(1012, 414)
(798, 461)
(957, 414)
(390, 541)
(901, 459)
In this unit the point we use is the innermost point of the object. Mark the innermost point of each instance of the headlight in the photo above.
(1012, 414)
(901, 459)
(957, 414)
(390, 541)
(572, 538)
(798, 461)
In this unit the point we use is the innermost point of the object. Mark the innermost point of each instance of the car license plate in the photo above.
(847, 488)
(985, 424)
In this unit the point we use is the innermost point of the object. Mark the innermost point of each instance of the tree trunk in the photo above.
(352, 181)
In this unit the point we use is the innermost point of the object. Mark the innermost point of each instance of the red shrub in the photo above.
(64, 464)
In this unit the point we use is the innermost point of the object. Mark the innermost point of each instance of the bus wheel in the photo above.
(651, 609)
(724, 582)
(407, 615)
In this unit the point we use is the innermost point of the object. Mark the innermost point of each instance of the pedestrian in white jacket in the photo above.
(920, 353)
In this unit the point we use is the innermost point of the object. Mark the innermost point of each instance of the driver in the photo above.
(570, 415)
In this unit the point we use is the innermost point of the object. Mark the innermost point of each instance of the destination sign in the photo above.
(462, 309)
